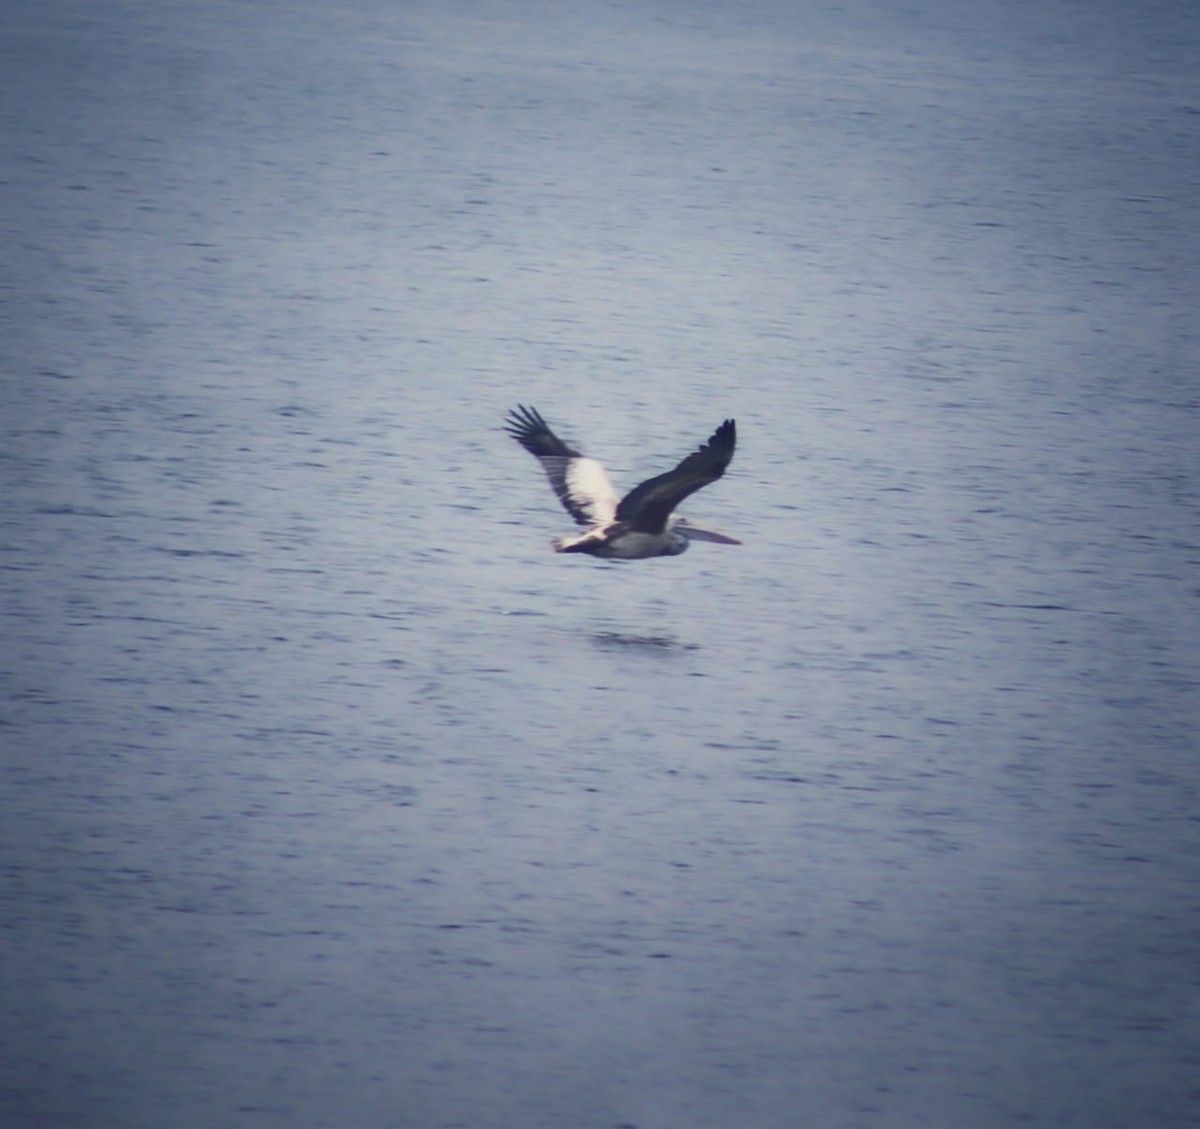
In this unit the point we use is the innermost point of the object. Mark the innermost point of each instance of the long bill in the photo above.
(694, 532)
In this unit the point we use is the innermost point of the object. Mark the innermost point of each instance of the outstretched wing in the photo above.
(647, 507)
(580, 483)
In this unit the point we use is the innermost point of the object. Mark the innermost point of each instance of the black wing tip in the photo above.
(528, 428)
(723, 441)
(522, 420)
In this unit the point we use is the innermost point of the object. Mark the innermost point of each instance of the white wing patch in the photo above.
(590, 491)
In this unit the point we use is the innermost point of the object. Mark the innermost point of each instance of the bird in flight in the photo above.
(643, 523)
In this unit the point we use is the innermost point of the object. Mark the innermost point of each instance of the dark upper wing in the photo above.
(580, 483)
(647, 507)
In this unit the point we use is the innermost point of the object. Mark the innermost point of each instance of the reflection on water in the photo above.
(662, 644)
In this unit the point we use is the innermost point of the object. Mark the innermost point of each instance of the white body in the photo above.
(614, 543)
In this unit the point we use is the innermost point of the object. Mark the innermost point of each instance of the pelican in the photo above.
(643, 523)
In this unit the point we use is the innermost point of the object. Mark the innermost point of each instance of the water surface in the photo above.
(334, 798)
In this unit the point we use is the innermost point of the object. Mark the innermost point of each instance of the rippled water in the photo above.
(334, 798)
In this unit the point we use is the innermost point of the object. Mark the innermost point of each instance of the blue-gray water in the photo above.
(333, 798)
